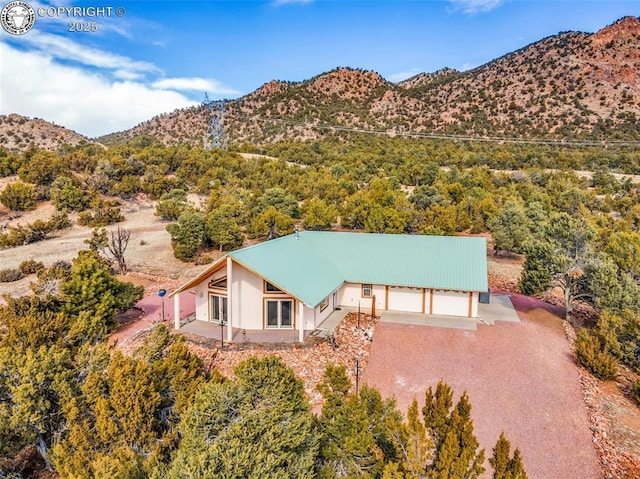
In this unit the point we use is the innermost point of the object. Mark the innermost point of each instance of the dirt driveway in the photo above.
(520, 377)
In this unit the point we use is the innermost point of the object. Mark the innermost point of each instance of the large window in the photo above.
(279, 313)
(366, 290)
(218, 309)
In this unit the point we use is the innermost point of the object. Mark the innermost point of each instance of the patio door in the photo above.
(218, 309)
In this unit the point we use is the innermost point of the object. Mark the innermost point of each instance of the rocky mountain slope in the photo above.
(18, 133)
(568, 86)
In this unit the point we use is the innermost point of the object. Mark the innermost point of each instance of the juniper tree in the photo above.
(510, 227)
(417, 446)
(359, 432)
(126, 415)
(504, 466)
(93, 290)
(18, 196)
(456, 454)
(562, 257)
(318, 215)
(259, 425)
(222, 229)
(271, 223)
(187, 235)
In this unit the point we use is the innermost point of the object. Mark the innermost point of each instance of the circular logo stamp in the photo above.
(17, 18)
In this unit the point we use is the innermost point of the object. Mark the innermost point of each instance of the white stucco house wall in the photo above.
(295, 282)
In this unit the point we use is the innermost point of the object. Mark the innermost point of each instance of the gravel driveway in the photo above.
(520, 377)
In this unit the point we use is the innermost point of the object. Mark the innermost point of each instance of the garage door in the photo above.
(451, 303)
(405, 299)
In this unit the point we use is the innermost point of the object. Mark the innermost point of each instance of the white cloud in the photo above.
(468, 66)
(34, 84)
(475, 6)
(398, 77)
(195, 84)
(65, 49)
(89, 90)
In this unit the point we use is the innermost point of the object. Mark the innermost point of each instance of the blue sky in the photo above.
(163, 55)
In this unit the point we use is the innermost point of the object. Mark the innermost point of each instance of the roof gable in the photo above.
(295, 266)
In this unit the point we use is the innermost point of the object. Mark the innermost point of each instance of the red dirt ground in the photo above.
(521, 379)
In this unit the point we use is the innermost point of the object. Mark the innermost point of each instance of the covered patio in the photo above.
(237, 335)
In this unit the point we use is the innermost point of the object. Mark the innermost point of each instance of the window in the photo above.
(269, 288)
(279, 313)
(366, 290)
(218, 309)
(324, 304)
(220, 283)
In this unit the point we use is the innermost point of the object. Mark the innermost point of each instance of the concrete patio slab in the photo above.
(499, 309)
(418, 319)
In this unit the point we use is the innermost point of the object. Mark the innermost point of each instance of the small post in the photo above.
(162, 293)
(357, 375)
(222, 333)
(373, 307)
(176, 311)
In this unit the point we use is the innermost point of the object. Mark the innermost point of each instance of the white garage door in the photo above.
(405, 299)
(451, 303)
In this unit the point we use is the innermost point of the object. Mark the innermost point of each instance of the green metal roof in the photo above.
(314, 265)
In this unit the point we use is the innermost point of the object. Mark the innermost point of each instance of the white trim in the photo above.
(176, 311)
(300, 321)
(230, 308)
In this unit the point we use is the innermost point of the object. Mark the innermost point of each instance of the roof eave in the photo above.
(200, 277)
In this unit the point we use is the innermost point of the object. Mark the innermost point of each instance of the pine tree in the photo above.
(505, 467)
(418, 445)
(359, 432)
(456, 454)
(93, 290)
(500, 459)
(436, 411)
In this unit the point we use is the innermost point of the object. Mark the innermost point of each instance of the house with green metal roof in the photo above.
(296, 282)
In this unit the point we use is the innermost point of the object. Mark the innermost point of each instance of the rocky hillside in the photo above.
(18, 133)
(571, 85)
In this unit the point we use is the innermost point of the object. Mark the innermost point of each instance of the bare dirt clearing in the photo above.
(149, 250)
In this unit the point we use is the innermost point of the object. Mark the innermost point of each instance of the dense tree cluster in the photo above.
(49, 344)
(93, 412)
(579, 233)
(157, 413)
